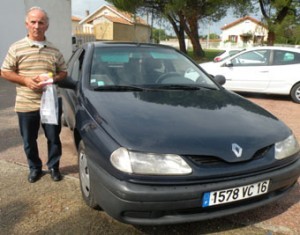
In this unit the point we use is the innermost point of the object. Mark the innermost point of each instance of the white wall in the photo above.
(12, 23)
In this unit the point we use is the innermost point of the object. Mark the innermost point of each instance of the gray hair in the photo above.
(39, 9)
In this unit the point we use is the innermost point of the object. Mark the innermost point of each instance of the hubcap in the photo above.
(297, 93)
(84, 174)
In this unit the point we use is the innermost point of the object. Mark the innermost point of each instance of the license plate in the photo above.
(235, 194)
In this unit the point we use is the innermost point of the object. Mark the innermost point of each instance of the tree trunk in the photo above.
(192, 31)
(181, 37)
(181, 41)
(179, 31)
(271, 38)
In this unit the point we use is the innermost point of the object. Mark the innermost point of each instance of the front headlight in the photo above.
(149, 164)
(286, 148)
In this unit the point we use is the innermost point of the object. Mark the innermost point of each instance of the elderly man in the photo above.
(24, 63)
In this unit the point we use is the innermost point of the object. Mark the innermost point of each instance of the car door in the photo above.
(69, 95)
(247, 71)
(284, 70)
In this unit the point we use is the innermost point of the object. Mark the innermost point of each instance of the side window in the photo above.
(286, 57)
(75, 65)
(252, 58)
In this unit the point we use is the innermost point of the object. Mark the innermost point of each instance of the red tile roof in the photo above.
(75, 18)
(116, 19)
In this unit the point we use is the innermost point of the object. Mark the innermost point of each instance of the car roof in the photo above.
(274, 48)
(128, 44)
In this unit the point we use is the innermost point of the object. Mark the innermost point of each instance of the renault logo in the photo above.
(237, 150)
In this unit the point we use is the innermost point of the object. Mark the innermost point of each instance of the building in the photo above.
(81, 34)
(75, 24)
(108, 23)
(246, 31)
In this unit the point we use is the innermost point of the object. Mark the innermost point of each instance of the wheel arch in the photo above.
(77, 138)
(295, 97)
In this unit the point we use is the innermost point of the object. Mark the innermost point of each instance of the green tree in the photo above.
(158, 8)
(288, 32)
(183, 15)
(213, 36)
(276, 13)
(158, 35)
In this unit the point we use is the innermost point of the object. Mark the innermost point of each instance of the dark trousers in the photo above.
(29, 124)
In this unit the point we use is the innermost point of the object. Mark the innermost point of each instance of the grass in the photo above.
(210, 54)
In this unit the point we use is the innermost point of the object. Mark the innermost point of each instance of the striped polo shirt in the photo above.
(30, 60)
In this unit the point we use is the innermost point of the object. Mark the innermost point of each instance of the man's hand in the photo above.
(45, 79)
(32, 83)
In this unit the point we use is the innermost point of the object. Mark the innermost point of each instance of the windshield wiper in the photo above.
(154, 87)
(118, 88)
(183, 87)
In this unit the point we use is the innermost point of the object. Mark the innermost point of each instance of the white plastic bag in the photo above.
(49, 105)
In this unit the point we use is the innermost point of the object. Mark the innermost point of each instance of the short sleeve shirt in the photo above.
(30, 60)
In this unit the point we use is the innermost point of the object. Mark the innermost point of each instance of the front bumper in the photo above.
(158, 205)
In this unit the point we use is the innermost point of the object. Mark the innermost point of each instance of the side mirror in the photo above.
(228, 63)
(220, 79)
(68, 83)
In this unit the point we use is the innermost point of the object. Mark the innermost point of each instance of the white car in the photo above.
(269, 70)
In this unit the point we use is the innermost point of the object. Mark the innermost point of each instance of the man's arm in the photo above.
(60, 76)
(31, 83)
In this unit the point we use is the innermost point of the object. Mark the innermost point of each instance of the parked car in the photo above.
(161, 142)
(268, 70)
(226, 54)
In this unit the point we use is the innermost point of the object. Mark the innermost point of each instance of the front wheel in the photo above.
(295, 93)
(84, 177)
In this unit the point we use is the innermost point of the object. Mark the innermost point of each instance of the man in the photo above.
(25, 61)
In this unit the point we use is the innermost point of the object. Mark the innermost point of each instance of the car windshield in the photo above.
(144, 67)
(225, 54)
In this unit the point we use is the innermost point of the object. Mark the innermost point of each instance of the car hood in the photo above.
(204, 122)
(212, 67)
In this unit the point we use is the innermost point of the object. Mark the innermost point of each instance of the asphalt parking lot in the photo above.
(48, 207)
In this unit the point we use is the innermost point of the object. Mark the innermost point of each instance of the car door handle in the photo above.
(264, 71)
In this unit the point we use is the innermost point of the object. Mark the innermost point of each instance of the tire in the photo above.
(84, 178)
(295, 93)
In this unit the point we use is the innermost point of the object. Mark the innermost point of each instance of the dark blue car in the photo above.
(161, 142)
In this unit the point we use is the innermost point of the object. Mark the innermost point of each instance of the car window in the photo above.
(285, 57)
(233, 52)
(252, 58)
(75, 65)
(225, 54)
(143, 66)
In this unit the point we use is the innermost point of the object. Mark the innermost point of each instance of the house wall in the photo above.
(143, 33)
(103, 29)
(75, 26)
(109, 25)
(122, 32)
(11, 12)
(138, 33)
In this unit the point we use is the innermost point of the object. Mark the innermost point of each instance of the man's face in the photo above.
(36, 25)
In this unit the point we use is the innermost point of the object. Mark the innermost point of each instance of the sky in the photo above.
(79, 8)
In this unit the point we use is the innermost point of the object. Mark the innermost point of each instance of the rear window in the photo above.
(285, 57)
